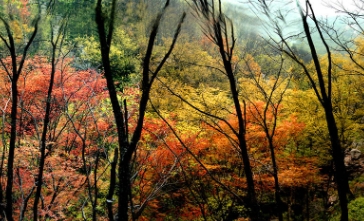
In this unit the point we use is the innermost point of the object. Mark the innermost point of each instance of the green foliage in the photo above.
(125, 62)
(356, 209)
(80, 13)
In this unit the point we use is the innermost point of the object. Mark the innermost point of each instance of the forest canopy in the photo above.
(181, 110)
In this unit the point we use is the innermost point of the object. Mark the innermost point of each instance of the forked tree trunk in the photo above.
(126, 148)
(221, 31)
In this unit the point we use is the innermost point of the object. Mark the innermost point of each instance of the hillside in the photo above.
(180, 110)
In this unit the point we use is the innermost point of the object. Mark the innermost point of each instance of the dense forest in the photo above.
(181, 110)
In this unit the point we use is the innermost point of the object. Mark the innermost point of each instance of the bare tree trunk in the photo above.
(126, 148)
(14, 74)
(341, 177)
(277, 189)
(10, 172)
(110, 195)
(321, 82)
(43, 142)
(325, 93)
(220, 30)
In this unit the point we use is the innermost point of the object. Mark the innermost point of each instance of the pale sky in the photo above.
(320, 7)
(325, 7)
(288, 10)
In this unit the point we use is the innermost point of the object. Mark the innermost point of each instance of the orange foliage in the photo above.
(61, 179)
(77, 97)
(294, 169)
(82, 87)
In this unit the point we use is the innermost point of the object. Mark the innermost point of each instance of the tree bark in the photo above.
(341, 177)
(277, 189)
(219, 29)
(126, 148)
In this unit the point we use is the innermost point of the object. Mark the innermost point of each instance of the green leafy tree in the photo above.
(124, 56)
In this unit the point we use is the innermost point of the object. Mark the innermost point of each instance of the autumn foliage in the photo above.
(191, 173)
(188, 162)
(75, 95)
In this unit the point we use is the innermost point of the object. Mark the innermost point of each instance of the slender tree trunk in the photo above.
(341, 177)
(127, 148)
(253, 203)
(43, 140)
(308, 204)
(124, 182)
(10, 172)
(241, 134)
(109, 199)
(277, 192)
(105, 41)
(324, 96)
(3, 139)
(14, 74)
